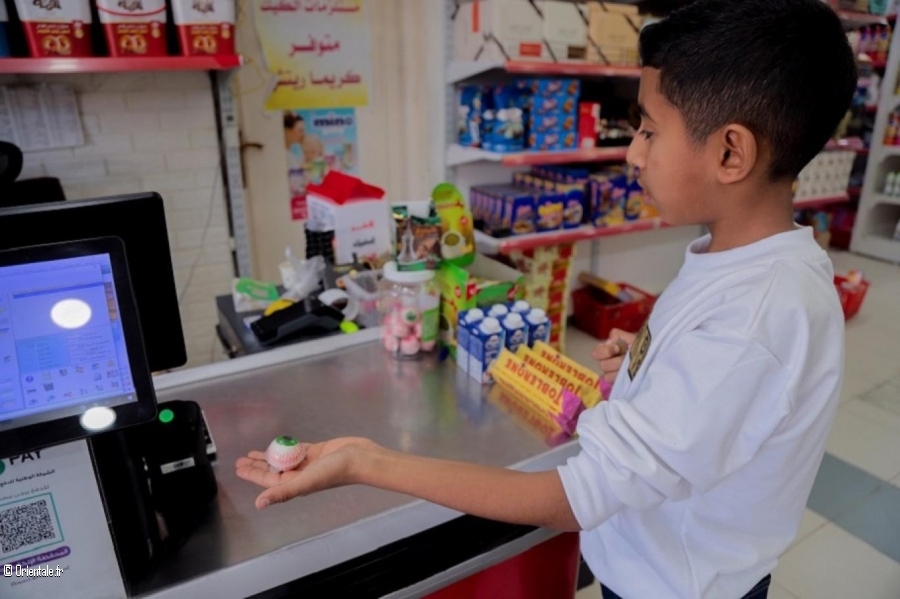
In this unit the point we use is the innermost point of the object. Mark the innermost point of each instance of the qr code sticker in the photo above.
(27, 524)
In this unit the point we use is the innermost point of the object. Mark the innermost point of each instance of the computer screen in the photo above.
(139, 220)
(70, 343)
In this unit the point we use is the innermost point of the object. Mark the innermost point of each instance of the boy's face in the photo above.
(674, 172)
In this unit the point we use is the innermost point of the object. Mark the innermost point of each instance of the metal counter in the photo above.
(427, 408)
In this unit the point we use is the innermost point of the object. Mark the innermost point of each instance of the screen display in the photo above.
(62, 345)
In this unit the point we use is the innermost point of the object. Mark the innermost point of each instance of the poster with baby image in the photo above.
(317, 142)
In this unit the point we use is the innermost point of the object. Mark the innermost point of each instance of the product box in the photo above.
(356, 212)
(613, 33)
(134, 28)
(498, 30)
(60, 28)
(205, 27)
(4, 31)
(565, 29)
(469, 116)
(548, 142)
(485, 344)
(556, 88)
(559, 122)
(588, 124)
(555, 104)
(550, 211)
(482, 284)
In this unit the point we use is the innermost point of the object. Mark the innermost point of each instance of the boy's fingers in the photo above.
(613, 366)
(610, 377)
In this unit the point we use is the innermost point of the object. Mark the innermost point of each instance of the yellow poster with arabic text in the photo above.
(318, 50)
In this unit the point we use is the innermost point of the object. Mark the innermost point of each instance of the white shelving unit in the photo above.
(879, 214)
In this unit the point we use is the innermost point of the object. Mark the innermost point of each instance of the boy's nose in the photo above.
(635, 155)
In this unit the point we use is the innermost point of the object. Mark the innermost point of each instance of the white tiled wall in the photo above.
(155, 132)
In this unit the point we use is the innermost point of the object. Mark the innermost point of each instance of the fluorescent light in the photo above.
(98, 418)
(71, 313)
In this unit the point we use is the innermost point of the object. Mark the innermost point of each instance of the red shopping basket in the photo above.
(852, 295)
(597, 313)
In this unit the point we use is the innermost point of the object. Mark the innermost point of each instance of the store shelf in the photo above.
(875, 246)
(461, 71)
(458, 155)
(821, 202)
(107, 64)
(861, 19)
(880, 198)
(850, 143)
(491, 245)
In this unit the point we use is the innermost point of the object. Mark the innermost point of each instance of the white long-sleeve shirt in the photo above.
(692, 479)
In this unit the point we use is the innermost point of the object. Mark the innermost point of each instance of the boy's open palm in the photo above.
(327, 465)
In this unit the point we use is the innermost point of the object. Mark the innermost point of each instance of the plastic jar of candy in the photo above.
(410, 307)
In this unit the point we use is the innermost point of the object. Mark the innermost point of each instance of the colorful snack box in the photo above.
(550, 208)
(516, 331)
(548, 88)
(134, 27)
(590, 396)
(559, 122)
(568, 366)
(548, 142)
(544, 105)
(469, 116)
(205, 27)
(60, 28)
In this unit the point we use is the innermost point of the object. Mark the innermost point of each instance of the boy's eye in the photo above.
(647, 134)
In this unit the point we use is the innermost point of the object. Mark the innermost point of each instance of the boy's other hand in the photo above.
(611, 353)
(327, 465)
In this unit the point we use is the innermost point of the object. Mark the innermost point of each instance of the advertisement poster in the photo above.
(317, 142)
(318, 50)
(54, 539)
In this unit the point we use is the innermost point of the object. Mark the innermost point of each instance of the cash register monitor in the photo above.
(139, 220)
(72, 360)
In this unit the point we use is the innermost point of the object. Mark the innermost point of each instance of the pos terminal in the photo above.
(97, 482)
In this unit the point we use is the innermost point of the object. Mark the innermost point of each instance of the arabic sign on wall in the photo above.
(317, 142)
(319, 51)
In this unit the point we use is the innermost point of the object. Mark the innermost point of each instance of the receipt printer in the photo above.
(158, 484)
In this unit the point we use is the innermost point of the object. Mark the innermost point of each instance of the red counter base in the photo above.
(547, 570)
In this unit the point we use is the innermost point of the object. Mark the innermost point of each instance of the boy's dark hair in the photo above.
(782, 68)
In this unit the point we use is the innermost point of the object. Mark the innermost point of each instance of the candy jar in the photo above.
(410, 307)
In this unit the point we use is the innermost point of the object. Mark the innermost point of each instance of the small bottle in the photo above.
(890, 184)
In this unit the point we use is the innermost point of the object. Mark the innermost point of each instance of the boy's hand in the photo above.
(611, 353)
(327, 465)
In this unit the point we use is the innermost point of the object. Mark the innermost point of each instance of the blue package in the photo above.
(560, 122)
(546, 142)
(516, 331)
(573, 204)
(486, 340)
(469, 116)
(553, 104)
(503, 130)
(466, 320)
(545, 88)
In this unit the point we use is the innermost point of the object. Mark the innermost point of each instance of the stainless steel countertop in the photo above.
(427, 408)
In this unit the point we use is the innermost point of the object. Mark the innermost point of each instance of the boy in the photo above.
(693, 478)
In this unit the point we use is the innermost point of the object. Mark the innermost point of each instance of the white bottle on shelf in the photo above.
(890, 183)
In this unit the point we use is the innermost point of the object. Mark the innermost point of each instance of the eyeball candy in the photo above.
(391, 344)
(285, 453)
(410, 346)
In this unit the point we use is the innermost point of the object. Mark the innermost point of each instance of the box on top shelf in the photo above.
(57, 28)
(613, 33)
(205, 27)
(4, 25)
(498, 30)
(565, 29)
(134, 27)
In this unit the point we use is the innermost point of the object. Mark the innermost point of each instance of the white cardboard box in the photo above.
(498, 30)
(565, 29)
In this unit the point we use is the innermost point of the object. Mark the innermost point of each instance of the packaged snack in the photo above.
(588, 124)
(559, 122)
(550, 210)
(457, 244)
(59, 28)
(568, 366)
(205, 27)
(469, 116)
(418, 242)
(543, 105)
(547, 88)
(589, 396)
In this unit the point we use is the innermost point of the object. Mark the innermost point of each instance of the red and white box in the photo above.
(205, 27)
(56, 27)
(588, 124)
(134, 27)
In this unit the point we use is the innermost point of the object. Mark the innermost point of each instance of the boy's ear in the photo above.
(737, 151)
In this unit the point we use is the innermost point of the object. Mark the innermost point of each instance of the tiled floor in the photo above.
(849, 541)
